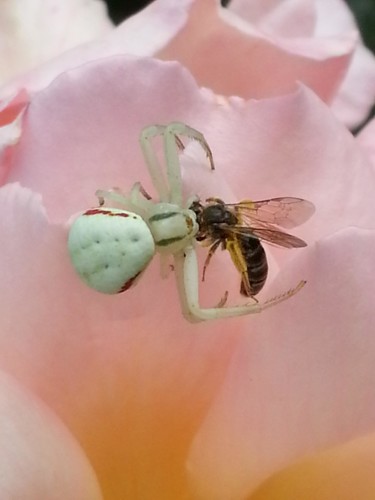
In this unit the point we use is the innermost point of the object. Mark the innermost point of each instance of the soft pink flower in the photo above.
(35, 31)
(39, 458)
(166, 409)
(254, 49)
(260, 49)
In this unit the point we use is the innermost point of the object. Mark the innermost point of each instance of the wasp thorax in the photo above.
(172, 226)
(218, 213)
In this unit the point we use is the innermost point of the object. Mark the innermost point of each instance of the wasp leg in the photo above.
(211, 251)
(223, 299)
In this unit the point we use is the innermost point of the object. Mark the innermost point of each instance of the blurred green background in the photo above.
(364, 11)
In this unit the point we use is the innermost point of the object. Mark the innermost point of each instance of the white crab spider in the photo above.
(111, 247)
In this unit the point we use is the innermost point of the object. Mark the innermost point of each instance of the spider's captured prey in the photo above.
(111, 247)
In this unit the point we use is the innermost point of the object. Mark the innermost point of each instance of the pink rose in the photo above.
(253, 49)
(33, 32)
(162, 408)
(261, 49)
(119, 397)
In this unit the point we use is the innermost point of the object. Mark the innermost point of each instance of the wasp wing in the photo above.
(278, 238)
(286, 212)
(269, 235)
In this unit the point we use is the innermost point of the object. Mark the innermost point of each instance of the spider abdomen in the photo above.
(110, 248)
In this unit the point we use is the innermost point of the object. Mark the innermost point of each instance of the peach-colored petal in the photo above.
(303, 381)
(130, 378)
(345, 472)
(35, 31)
(39, 459)
(255, 65)
(11, 112)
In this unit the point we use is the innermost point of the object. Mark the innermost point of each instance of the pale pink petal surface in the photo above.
(366, 139)
(34, 31)
(11, 112)
(141, 35)
(320, 19)
(39, 458)
(280, 44)
(251, 63)
(356, 94)
(289, 18)
(141, 388)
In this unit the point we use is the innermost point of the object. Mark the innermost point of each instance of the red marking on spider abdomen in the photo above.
(101, 211)
(129, 283)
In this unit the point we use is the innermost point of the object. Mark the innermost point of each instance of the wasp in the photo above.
(241, 228)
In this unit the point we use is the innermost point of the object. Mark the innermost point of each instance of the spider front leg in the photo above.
(152, 162)
(172, 146)
(187, 275)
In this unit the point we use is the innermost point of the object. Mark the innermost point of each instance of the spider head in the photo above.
(172, 227)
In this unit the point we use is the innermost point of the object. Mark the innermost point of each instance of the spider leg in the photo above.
(114, 195)
(152, 162)
(187, 275)
(137, 199)
(172, 131)
(172, 146)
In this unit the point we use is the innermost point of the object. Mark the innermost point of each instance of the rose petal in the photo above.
(145, 33)
(366, 139)
(130, 378)
(133, 391)
(284, 146)
(34, 32)
(320, 19)
(356, 94)
(289, 18)
(344, 472)
(38, 456)
(11, 113)
(248, 57)
(141, 35)
(302, 382)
